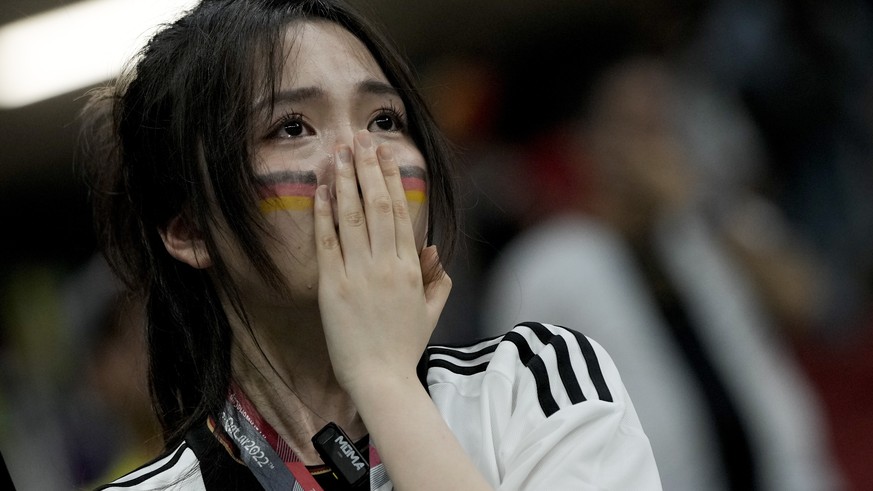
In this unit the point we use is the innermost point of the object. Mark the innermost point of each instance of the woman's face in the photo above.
(329, 89)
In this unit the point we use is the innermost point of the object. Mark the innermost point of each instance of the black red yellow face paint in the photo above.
(295, 190)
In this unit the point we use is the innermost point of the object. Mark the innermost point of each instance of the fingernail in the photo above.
(322, 193)
(344, 155)
(364, 139)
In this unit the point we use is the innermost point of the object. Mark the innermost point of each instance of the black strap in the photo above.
(5, 478)
(736, 453)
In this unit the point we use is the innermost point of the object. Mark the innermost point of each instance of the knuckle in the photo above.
(401, 210)
(390, 170)
(354, 219)
(343, 290)
(447, 281)
(384, 275)
(346, 171)
(412, 277)
(382, 204)
(329, 242)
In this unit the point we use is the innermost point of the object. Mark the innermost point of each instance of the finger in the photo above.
(378, 206)
(437, 284)
(353, 234)
(404, 235)
(327, 245)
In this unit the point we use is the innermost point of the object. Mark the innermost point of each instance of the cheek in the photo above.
(287, 203)
(288, 177)
(287, 191)
(419, 224)
(414, 184)
(414, 179)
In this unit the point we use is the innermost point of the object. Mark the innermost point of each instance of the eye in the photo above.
(388, 119)
(384, 122)
(291, 126)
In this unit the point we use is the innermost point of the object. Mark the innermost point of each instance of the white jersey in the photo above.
(541, 407)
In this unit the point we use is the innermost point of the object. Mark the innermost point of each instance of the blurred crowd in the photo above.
(689, 186)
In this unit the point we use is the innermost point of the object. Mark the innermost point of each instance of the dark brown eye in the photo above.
(293, 128)
(385, 122)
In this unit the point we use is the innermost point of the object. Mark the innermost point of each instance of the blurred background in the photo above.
(689, 182)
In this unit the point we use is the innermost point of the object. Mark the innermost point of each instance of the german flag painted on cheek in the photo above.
(287, 191)
(295, 190)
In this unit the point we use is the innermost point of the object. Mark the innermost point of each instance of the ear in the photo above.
(184, 242)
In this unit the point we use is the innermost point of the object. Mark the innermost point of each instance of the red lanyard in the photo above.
(257, 444)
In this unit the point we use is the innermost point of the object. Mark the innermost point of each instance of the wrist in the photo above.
(381, 388)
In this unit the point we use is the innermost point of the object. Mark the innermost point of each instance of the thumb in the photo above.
(437, 283)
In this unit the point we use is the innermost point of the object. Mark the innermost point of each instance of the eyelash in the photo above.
(391, 110)
(398, 115)
(285, 120)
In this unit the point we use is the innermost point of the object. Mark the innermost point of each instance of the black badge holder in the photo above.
(339, 452)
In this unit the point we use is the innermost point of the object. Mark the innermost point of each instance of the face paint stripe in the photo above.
(414, 196)
(285, 203)
(295, 190)
(300, 203)
(287, 189)
(412, 171)
(300, 177)
(413, 184)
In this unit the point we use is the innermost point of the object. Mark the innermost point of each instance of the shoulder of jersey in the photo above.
(559, 359)
(177, 469)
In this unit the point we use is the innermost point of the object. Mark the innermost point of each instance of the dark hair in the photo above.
(172, 138)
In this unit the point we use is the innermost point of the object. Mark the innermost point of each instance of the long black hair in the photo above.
(173, 138)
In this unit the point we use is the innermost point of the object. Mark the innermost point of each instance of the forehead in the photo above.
(319, 53)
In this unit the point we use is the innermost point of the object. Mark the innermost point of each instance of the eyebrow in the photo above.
(302, 94)
(376, 87)
(291, 96)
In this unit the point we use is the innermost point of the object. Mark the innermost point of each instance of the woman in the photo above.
(268, 178)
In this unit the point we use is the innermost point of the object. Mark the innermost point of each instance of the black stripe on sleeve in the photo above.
(133, 482)
(562, 355)
(461, 355)
(542, 333)
(460, 370)
(524, 351)
(421, 370)
(544, 391)
(538, 368)
(594, 370)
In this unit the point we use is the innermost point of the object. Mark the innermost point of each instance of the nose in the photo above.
(344, 135)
